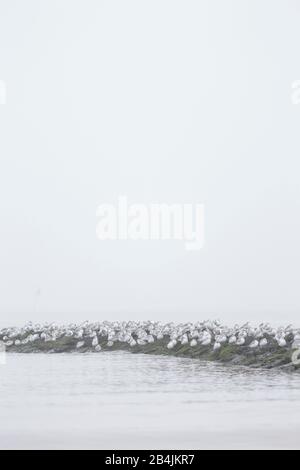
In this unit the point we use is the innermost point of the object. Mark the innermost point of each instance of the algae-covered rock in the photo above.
(207, 341)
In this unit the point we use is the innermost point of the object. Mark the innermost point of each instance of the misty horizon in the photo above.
(163, 103)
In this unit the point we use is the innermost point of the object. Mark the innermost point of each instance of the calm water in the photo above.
(121, 400)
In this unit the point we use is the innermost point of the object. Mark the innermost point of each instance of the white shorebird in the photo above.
(184, 340)
(232, 340)
(209, 334)
(206, 341)
(221, 338)
(282, 342)
(297, 336)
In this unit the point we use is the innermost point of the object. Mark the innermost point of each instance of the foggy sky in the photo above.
(165, 102)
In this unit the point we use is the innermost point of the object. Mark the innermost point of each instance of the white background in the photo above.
(162, 101)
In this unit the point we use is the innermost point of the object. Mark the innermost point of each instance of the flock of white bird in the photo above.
(208, 333)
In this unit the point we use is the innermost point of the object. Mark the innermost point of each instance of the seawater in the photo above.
(119, 400)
